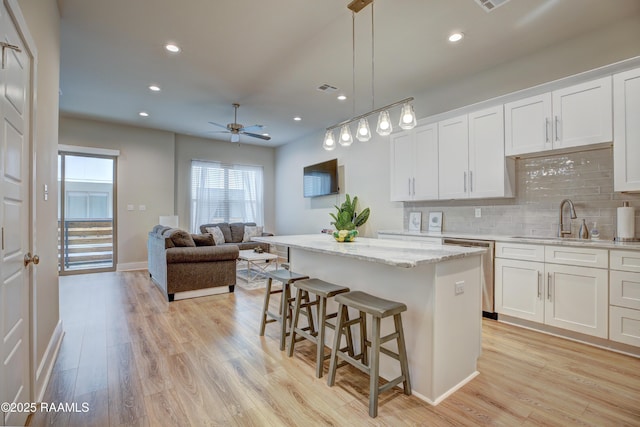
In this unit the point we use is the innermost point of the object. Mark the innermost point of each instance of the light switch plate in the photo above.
(130, 207)
(460, 287)
(478, 213)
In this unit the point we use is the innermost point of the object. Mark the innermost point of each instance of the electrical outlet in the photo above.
(130, 207)
(478, 213)
(460, 287)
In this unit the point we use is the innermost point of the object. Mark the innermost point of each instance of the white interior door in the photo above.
(15, 218)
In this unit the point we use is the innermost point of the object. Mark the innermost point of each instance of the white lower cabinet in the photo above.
(576, 299)
(624, 297)
(518, 289)
(565, 296)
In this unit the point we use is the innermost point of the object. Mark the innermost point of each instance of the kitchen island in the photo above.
(441, 286)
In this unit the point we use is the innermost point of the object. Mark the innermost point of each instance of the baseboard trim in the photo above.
(201, 293)
(132, 266)
(43, 373)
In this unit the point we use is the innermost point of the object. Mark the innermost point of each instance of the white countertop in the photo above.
(605, 244)
(398, 253)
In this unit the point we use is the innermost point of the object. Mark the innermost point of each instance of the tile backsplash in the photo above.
(585, 177)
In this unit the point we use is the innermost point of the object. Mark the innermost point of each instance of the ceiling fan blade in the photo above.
(256, 135)
(218, 131)
(219, 125)
(251, 128)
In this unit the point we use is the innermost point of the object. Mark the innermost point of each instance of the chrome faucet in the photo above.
(572, 210)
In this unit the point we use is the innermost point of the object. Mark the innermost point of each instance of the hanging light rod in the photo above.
(377, 110)
(357, 5)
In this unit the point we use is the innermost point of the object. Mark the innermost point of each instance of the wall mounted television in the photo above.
(321, 179)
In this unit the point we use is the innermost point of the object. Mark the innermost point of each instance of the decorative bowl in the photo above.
(345, 235)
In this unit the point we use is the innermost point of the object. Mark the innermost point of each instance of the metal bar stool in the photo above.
(378, 308)
(286, 277)
(322, 290)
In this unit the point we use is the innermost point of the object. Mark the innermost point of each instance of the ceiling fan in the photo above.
(236, 129)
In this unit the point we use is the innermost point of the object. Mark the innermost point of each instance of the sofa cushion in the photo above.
(203, 239)
(202, 254)
(226, 230)
(237, 232)
(251, 231)
(218, 236)
(181, 238)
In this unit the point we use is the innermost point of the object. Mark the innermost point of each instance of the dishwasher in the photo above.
(488, 306)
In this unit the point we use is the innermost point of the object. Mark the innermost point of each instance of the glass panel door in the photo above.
(86, 206)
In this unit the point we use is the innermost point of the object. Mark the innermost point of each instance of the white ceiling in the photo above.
(271, 55)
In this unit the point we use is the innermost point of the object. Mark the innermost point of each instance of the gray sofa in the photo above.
(234, 234)
(184, 265)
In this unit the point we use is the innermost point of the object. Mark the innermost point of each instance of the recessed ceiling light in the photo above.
(154, 88)
(143, 114)
(172, 48)
(297, 118)
(342, 97)
(456, 37)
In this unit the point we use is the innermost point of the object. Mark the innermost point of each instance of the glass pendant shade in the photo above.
(345, 136)
(363, 133)
(407, 117)
(384, 127)
(329, 141)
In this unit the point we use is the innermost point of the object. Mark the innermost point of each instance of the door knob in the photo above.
(28, 259)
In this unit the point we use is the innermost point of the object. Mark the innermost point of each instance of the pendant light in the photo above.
(346, 139)
(329, 141)
(363, 133)
(384, 127)
(407, 117)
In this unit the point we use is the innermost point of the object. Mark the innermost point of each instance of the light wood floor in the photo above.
(137, 360)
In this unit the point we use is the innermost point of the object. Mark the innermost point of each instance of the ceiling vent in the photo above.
(489, 5)
(327, 88)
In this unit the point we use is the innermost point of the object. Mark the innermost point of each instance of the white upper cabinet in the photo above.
(626, 119)
(472, 162)
(569, 117)
(490, 175)
(453, 149)
(527, 128)
(414, 164)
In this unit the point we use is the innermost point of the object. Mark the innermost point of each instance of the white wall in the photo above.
(189, 148)
(364, 172)
(145, 176)
(42, 19)
(366, 165)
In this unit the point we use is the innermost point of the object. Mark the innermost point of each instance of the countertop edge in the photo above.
(392, 259)
(603, 244)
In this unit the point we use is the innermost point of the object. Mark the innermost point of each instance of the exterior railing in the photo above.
(88, 243)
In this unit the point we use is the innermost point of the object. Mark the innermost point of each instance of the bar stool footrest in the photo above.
(391, 384)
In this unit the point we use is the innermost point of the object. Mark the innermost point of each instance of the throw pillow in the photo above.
(182, 238)
(218, 237)
(203, 239)
(250, 231)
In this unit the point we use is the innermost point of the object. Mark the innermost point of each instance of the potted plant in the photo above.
(347, 220)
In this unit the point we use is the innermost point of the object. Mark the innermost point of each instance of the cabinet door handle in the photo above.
(409, 183)
(465, 182)
(546, 129)
(549, 286)
(557, 128)
(470, 181)
(539, 284)
(414, 186)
